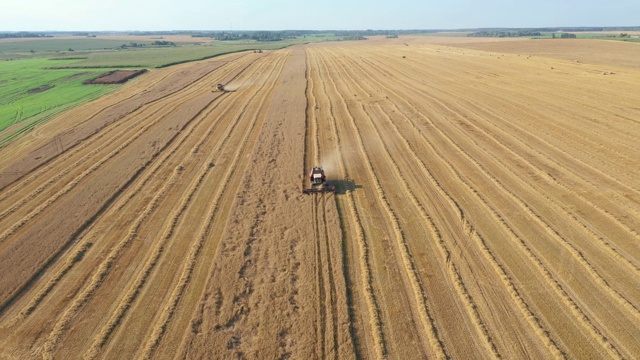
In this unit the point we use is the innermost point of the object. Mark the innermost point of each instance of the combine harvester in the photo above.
(318, 182)
(220, 87)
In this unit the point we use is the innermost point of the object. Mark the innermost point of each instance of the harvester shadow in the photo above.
(344, 186)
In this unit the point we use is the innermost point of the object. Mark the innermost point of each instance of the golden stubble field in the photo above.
(487, 205)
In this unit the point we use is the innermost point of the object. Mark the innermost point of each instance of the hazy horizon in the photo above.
(165, 15)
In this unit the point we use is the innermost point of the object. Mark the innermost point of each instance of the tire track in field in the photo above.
(578, 313)
(364, 265)
(167, 313)
(321, 311)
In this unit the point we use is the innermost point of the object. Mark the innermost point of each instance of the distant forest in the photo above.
(350, 34)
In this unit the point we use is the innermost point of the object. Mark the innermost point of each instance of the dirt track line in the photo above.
(334, 346)
(321, 311)
(363, 247)
(167, 313)
(578, 313)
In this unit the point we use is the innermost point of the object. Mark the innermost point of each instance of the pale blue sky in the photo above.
(99, 15)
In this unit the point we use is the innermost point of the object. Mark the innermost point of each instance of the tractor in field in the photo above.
(318, 182)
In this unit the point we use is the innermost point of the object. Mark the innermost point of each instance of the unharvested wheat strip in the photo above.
(364, 265)
(189, 265)
(418, 293)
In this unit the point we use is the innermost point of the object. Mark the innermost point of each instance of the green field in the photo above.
(31, 94)
(165, 56)
(40, 78)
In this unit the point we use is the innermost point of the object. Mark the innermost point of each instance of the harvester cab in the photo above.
(318, 181)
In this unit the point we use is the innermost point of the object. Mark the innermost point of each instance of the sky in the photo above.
(162, 15)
